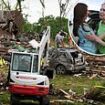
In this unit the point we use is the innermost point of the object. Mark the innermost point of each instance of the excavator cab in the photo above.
(23, 62)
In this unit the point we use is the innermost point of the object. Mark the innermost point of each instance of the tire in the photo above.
(14, 100)
(44, 101)
(60, 69)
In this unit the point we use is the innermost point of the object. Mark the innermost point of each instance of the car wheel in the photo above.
(60, 69)
(14, 100)
(44, 101)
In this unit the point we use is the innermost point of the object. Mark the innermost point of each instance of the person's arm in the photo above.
(95, 38)
(62, 43)
(102, 36)
(90, 37)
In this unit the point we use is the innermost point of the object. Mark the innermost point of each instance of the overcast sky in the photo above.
(34, 8)
(92, 5)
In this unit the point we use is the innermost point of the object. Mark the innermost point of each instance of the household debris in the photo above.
(94, 96)
(96, 93)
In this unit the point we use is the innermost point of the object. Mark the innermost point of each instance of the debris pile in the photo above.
(95, 95)
(3, 75)
(95, 60)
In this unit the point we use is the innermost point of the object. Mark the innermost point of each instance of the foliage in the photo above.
(26, 25)
(54, 23)
(47, 21)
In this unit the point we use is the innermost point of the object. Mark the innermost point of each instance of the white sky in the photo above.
(92, 5)
(34, 8)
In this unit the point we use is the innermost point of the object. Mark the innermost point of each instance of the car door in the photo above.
(62, 58)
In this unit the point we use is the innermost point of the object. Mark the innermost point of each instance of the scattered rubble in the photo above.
(93, 96)
(97, 93)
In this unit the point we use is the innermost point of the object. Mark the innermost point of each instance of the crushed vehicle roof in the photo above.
(67, 49)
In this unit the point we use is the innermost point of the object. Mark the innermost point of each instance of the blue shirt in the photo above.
(85, 44)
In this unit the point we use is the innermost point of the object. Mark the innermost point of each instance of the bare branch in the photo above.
(16, 7)
(6, 5)
(9, 7)
(19, 3)
(70, 7)
(66, 6)
(42, 2)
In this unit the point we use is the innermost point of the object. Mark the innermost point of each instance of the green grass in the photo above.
(77, 84)
(5, 98)
(65, 82)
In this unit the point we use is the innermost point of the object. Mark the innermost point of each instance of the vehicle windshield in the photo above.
(35, 64)
(22, 62)
(74, 54)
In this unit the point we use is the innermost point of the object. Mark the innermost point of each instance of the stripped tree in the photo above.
(7, 5)
(63, 7)
(43, 7)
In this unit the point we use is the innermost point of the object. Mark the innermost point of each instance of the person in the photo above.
(70, 42)
(11, 27)
(59, 39)
(87, 40)
(101, 28)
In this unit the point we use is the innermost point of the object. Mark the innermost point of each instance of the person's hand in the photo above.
(90, 37)
(102, 36)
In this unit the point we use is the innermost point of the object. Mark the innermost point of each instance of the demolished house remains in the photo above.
(10, 21)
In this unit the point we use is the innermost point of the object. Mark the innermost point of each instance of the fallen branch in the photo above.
(93, 76)
(69, 101)
(64, 92)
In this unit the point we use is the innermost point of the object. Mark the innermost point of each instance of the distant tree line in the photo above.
(51, 21)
